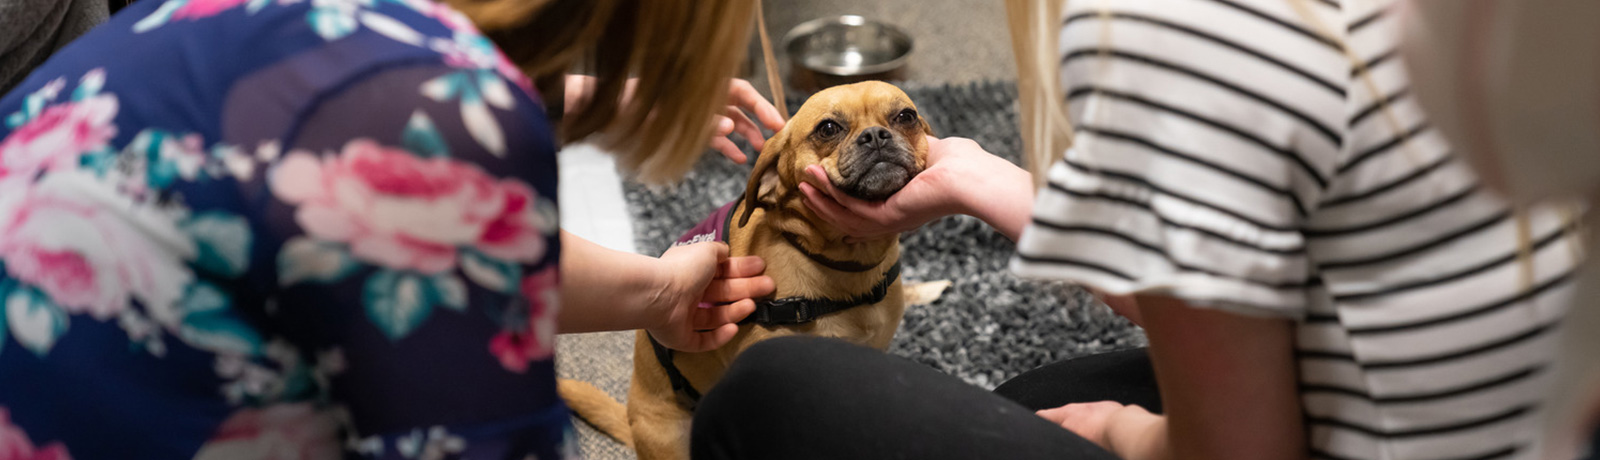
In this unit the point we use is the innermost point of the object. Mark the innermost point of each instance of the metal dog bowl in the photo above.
(845, 49)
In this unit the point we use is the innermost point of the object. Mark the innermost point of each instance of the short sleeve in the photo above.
(1193, 164)
(416, 256)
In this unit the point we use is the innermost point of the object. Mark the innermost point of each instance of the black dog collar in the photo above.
(801, 310)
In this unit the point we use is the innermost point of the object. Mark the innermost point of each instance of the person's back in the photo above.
(250, 228)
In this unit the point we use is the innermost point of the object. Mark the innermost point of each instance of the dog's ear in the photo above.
(764, 164)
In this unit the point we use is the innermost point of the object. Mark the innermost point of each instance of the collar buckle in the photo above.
(788, 310)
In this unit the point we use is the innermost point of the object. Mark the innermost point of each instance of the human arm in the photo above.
(961, 178)
(1227, 384)
(742, 97)
(689, 289)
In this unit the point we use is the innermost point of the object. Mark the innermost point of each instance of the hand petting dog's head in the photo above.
(867, 136)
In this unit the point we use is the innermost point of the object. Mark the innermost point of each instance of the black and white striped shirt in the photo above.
(1230, 156)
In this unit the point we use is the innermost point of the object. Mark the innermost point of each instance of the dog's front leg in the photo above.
(660, 429)
(660, 426)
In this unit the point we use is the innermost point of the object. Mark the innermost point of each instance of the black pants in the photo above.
(813, 398)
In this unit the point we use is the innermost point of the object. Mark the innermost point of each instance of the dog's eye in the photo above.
(906, 117)
(828, 129)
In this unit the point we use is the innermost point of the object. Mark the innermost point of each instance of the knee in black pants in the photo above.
(765, 380)
(775, 374)
(816, 398)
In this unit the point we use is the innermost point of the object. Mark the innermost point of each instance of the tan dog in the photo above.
(870, 140)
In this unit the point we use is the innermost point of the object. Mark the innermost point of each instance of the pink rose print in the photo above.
(516, 349)
(15, 445)
(404, 212)
(283, 432)
(204, 8)
(57, 138)
(91, 251)
(513, 233)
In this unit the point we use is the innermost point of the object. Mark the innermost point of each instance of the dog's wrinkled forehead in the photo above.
(859, 101)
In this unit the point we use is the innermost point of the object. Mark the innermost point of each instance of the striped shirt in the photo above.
(1230, 156)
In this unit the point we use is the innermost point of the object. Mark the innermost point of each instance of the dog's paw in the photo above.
(925, 293)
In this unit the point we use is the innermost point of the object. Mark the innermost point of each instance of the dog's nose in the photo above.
(876, 137)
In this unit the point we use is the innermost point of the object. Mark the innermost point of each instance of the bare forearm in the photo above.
(604, 289)
(1003, 200)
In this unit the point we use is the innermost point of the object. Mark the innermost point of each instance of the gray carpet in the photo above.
(989, 325)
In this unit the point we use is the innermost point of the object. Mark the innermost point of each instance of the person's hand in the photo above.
(744, 98)
(961, 178)
(704, 294)
(1089, 420)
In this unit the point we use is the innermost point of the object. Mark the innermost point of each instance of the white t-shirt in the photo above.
(1229, 156)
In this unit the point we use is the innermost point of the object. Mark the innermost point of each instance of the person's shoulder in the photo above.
(1217, 13)
(286, 27)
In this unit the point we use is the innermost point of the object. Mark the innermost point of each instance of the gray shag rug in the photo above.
(988, 326)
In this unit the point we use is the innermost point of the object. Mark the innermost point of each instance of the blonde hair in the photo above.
(1035, 27)
(683, 52)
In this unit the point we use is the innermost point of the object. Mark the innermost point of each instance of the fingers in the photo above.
(825, 206)
(827, 188)
(821, 176)
(1057, 415)
(710, 340)
(741, 267)
(728, 149)
(855, 226)
(741, 94)
(746, 128)
(706, 319)
(733, 289)
(1063, 414)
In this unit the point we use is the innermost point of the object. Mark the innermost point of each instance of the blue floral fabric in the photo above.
(278, 229)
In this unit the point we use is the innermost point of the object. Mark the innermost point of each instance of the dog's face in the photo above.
(868, 136)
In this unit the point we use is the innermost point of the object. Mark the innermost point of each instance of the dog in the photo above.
(871, 141)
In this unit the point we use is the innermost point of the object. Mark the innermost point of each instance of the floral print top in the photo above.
(278, 229)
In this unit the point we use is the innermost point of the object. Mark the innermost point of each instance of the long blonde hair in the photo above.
(683, 52)
(1035, 27)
